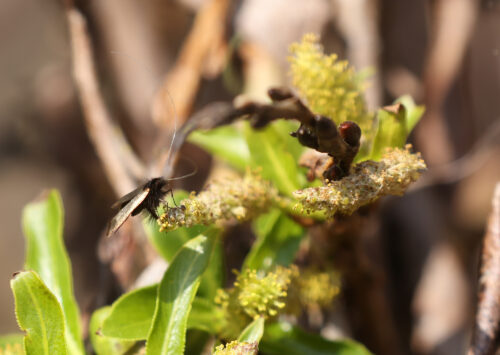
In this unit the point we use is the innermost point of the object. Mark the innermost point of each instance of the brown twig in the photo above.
(316, 131)
(487, 327)
(109, 144)
(180, 86)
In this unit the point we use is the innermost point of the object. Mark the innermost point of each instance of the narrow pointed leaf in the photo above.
(175, 295)
(46, 254)
(39, 314)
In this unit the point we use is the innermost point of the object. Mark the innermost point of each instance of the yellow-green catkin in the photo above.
(317, 288)
(222, 200)
(254, 295)
(237, 348)
(369, 180)
(331, 87)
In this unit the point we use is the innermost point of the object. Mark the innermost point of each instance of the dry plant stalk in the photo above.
(488, 311)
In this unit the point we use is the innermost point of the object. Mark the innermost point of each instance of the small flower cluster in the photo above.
(367, 182)
(237, 348)
(227, 199)
(255, 295)
(330, 86)
(317, 288)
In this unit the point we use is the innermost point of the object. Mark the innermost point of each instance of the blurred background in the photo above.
(445, 53)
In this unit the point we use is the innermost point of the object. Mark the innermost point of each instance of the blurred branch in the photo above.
(137, 60)
(466, 165)
(204, 49)
(204, 45)
(487, 326)
(453, 23)
(358, 21)
(441, 301)
(116, 156)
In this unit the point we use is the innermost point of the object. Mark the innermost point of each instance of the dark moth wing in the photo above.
(131, 204)
(128, 197)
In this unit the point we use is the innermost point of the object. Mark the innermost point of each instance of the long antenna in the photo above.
(163, 164)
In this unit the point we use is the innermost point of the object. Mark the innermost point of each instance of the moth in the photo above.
(146, 197)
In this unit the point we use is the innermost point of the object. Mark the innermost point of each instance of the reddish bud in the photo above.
(350, 132)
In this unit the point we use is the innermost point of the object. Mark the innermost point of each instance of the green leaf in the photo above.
(391, 132)
(213, 277)
(413, 112)
(175, 295)
(278, 239)
(226, 143)
(39, 314)
(283, 128)
(394, 125)
(131, 315)
(102, 344)
(253, 332)
(46, 254)
(12, 344)
(283, 338)
(168, 244)
(268, 150)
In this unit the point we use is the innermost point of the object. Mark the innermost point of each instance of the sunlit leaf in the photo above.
(395, 123)
(226, 143)
(46, 254)
(176, 293)
(39, 314)
(268, 152)
(391, 132)
(413, 112)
